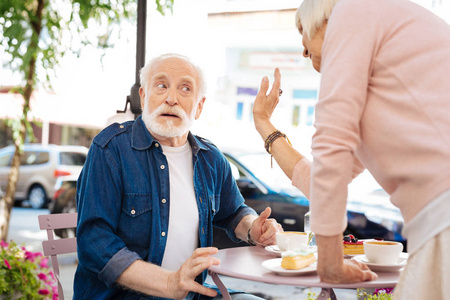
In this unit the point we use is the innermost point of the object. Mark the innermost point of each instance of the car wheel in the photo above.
(37, 197)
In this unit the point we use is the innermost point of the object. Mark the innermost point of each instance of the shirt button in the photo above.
(163, 167)
(163, 200)
(133, 211)
(156, 145)
(121, 126)
(163, 233)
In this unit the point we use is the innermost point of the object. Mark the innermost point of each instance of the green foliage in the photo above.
(164, 5)
(379, 294)
(25, 274)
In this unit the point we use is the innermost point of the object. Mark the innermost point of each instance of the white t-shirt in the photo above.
(182, 235)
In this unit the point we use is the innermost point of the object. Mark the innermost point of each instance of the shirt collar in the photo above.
(141, 138)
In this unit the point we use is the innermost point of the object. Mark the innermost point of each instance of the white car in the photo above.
(39, 169)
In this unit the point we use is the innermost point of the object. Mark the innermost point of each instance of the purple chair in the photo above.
(53, 246)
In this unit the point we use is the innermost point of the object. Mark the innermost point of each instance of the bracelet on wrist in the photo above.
(269, 141)
(250, 241)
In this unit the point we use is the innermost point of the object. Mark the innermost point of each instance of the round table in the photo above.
(246, 263)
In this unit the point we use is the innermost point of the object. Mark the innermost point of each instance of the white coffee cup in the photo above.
(291, 240)
(382, 252)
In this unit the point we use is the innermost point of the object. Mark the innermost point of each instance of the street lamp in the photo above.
(133, 99)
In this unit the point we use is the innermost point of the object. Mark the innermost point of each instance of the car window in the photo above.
(34, 158)
(5, 159)
(72, 158)
(271, 174)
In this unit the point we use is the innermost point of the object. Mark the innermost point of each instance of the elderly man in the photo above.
(150, 193)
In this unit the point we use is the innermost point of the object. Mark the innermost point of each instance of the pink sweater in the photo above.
(385, 101)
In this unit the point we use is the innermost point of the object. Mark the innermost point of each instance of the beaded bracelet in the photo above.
(270, 139)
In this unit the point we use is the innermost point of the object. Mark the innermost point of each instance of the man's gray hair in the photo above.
(312, 14)
(145, 72)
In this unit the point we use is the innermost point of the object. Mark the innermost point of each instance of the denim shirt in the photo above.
(123, 206)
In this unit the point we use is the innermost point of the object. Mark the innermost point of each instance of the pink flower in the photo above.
(43, 292)
(3, 244)
(383, 291)
(42, 276)
(55, 292)
(29, 255)
(43, 263)
(7, 264)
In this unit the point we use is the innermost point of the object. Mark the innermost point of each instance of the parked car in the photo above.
(40, 166)
(369, 211)
(370, 214)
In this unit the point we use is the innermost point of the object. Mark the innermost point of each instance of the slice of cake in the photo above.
(352, 246)
(298, 259)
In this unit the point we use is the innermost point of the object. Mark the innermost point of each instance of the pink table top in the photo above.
(245, 263)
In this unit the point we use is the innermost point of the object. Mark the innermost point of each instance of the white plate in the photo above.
(274, 249)
(274, 265)
(403, 259)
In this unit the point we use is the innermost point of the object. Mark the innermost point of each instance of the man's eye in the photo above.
(186, 89)
(161, 86)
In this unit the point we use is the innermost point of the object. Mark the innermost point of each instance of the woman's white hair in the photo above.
(312, 14)
(146, 70)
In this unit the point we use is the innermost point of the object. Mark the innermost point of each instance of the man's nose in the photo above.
(172, 97)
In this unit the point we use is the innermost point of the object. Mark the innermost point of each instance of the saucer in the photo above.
(274, 265)
(274, 249)
(402, 260)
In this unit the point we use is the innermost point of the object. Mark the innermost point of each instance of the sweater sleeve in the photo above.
(301, 177)
(347, 53)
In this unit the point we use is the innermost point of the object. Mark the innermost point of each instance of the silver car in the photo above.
(40, 167)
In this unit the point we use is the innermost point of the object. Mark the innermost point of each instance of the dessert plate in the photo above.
(402, 260)
(274, 265)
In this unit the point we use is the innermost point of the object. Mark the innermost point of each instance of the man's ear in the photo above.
(142, 96)
(200, 107)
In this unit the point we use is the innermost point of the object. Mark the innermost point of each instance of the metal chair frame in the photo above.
(53, 247)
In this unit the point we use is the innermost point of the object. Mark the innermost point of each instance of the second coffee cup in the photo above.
(291, 240)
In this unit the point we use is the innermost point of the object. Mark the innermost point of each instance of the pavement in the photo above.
(24, 229)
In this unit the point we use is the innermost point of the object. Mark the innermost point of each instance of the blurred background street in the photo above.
(24, 229)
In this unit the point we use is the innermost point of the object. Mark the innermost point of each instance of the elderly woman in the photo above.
(384, 105)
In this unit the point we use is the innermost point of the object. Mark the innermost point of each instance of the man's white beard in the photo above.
(167, 128)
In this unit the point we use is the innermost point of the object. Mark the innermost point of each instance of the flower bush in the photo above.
(25, 274)
(379, 294)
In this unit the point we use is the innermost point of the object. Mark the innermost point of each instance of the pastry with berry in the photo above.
(352, 246)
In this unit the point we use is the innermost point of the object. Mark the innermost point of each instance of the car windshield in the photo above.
(259, 164)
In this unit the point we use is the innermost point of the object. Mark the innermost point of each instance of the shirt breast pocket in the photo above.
(135, 222)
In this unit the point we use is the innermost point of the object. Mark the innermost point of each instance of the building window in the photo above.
(239, 110)
(310, 116)
(296, 115)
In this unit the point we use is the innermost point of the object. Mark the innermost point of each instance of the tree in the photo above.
(31, 33)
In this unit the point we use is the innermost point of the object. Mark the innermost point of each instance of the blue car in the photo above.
(369, 211)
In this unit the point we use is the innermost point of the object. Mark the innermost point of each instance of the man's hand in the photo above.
(183, 281)
(264, 229)
(332, 267)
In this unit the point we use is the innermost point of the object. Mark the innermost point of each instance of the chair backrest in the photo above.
(52, 247)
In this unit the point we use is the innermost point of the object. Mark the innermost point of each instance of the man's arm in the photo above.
(153, 280)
